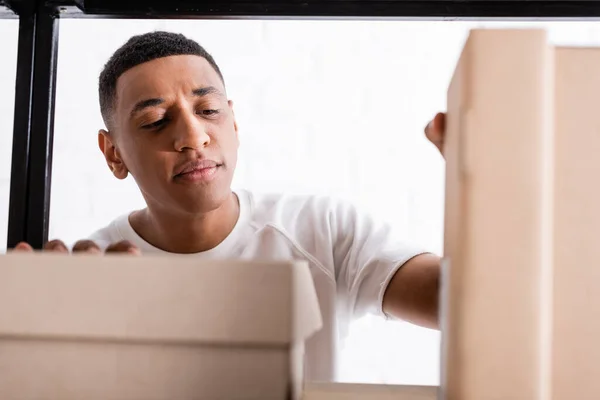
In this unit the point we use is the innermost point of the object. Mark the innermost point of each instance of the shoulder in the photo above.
(293, 212)
(324, 221)
(115, 231)
(312, 221)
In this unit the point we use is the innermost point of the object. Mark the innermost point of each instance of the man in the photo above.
(171, 126)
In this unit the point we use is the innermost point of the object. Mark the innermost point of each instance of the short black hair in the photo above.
(138, 50)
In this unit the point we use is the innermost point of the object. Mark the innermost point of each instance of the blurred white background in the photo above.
(324, 107)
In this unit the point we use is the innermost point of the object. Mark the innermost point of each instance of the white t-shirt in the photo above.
(352, 259)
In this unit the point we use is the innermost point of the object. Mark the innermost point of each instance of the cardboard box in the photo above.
(497, 233)
(522, 216)
(122, 327)
(576, 329)
(358, 391)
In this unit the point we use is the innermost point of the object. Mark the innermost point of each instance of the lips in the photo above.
(199, 170)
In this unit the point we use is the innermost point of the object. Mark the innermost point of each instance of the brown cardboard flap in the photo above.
(165, 299)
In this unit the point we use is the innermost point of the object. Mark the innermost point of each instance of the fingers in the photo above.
(434, 131)
(440, 122)
(86, 246)
(436, 127)
(82, 246)
(123, 247)
(56, 246)
(23, 248)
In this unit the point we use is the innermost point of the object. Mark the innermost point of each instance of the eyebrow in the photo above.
(200, 92)
(141, 105)
(205, 91)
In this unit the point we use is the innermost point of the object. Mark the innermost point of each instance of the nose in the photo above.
(191, 133)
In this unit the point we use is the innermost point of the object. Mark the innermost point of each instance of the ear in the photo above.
(111, 154)
(235, 124)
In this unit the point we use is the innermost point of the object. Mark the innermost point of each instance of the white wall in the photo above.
(324, 107)
(9, 30)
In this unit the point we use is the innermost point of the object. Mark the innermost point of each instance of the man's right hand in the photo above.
(82, 246)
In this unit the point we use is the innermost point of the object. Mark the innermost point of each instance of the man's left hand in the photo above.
(435, 130)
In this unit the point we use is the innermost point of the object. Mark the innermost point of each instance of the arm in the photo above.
(413, 293)
(378, 275)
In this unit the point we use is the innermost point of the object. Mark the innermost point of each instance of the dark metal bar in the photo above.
(454, 9)
(17, 215)
(34, 127)
(42, 127)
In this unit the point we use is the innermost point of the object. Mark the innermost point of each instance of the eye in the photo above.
(156, 124)
(209, 113)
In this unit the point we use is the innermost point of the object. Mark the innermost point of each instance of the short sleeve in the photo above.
(366, 257)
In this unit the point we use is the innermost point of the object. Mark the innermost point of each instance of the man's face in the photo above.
(175, 132)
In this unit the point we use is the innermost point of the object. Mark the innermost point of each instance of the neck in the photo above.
(184, 233)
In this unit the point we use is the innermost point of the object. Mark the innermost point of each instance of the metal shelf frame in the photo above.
(31, 169)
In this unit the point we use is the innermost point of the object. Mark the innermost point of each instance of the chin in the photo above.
(203, 201)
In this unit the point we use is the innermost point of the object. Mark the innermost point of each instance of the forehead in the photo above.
(163, 77)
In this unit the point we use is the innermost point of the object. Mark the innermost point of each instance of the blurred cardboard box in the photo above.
(122, 327)
(522, 216)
